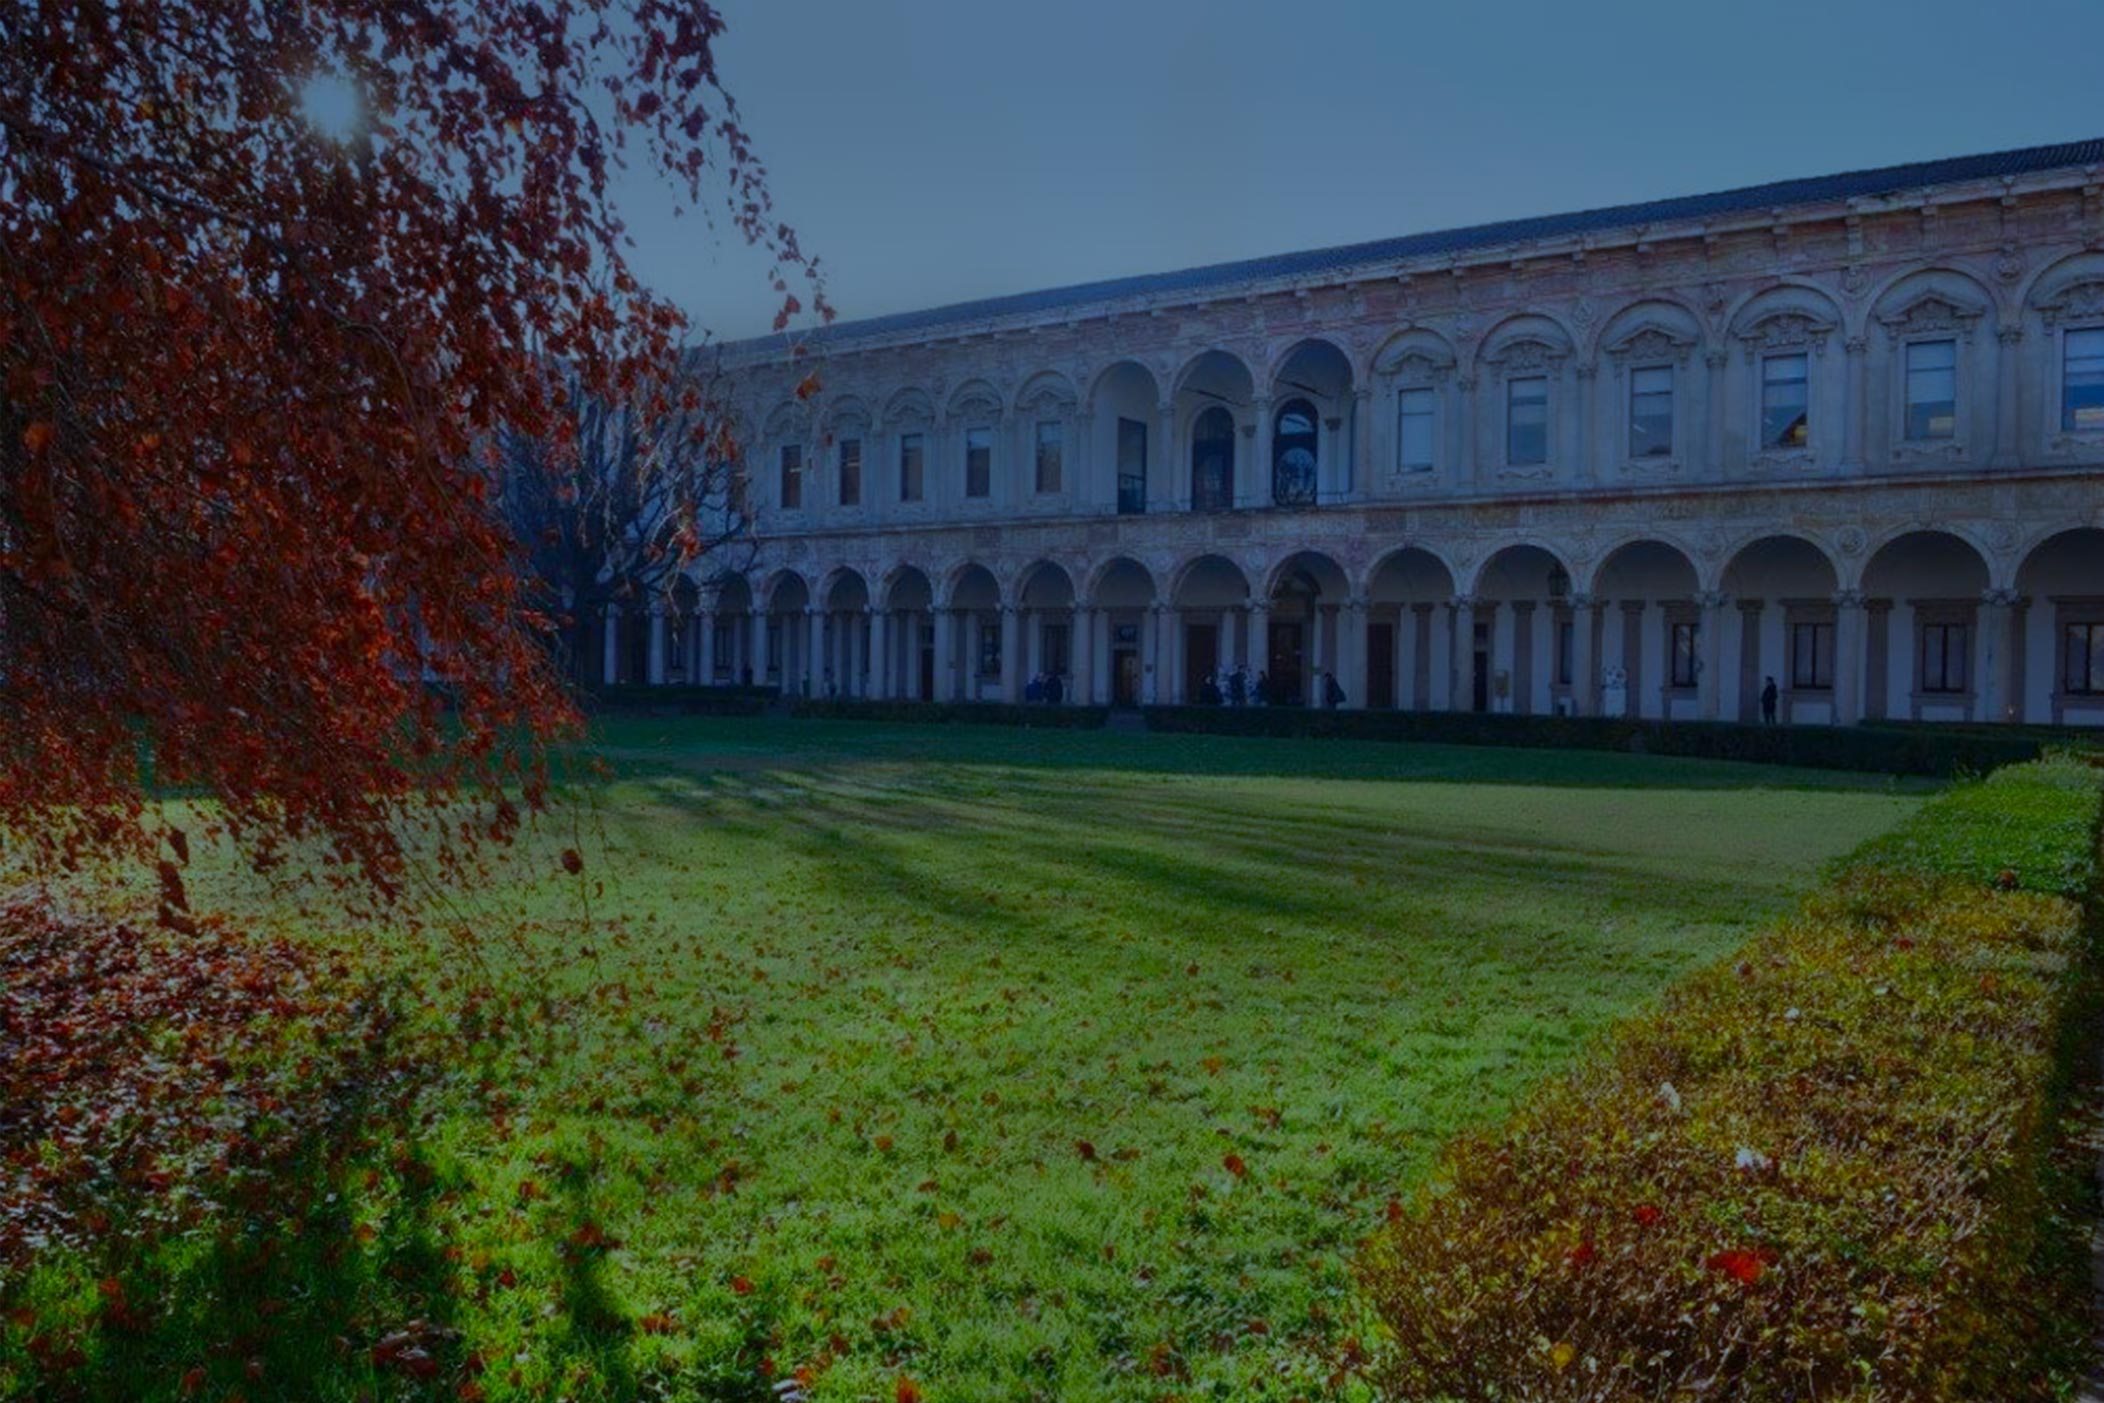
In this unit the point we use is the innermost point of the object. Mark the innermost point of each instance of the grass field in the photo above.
(1042, 1064)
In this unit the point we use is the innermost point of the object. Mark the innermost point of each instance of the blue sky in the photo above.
(931, 151)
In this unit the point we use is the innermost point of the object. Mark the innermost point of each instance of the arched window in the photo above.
(1213, 461)
(1293, 454)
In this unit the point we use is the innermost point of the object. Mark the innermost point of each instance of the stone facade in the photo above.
(1846, 435)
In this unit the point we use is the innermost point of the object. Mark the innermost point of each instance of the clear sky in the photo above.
(930, 151)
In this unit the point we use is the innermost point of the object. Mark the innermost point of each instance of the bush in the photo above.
(957, 713)
(682, 701)
(1898, 750)
(1824, 1171)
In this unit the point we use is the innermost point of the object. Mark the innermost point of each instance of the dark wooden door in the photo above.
(1380, 666)
(1201, 659)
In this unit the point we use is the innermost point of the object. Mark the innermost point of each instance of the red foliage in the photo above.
(249, 371)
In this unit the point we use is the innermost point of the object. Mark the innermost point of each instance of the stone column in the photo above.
(1259, 638)
(814, 655)
(1081, 656)
(1850, 657)
(1351, 655)
(1633, 657)
(1585, 668)
(1709, 654)
(1257, 490)
(1362, 444)
(945, 655)
(1997, 611)
(705, 649)
(1521, 693)
(1714, 412)
(756, 630)
(2009, 342)
(610, 647)
(1461, 653)
(1011, 650)
(880, 651)
(1854, 409)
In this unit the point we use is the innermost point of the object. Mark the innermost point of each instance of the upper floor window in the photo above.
(1786, 401)
(1932, 389)
(1527, 420)
(1132, 467)
(792, 476)
(1213, 461)
(2082, 659)
(851, 472)
(1051, 454)
(1294, 454)
(1413, 430)
(1943, 650)
(912, 450)
(978, 462)
(1651, 412)
(2082, 381)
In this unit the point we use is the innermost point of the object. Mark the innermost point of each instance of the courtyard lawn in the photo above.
(1036, 1064)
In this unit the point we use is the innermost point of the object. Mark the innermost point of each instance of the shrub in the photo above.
(683, 700)
(1822, 1171)
(957, 713)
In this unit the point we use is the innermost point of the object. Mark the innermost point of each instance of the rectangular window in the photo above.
(1812, 656)
(990, 649)
(978, 462)
(726, 647)
(1527, 420)
(1651, 412)
(1785, 401)
(1413, 430)
(1685, 643)
(1132, 467)
(911, 460)
(735, 490)
(851, 472)
(2082, 660)
(792, 476)
(1932, 389)
(2082, 382)
(1566, 633)
(1943, 657)
(1051, 454)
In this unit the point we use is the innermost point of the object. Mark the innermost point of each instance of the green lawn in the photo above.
(1042, 1064)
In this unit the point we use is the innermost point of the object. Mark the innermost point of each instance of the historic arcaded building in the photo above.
(1844, 432)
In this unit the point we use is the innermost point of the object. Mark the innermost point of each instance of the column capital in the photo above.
(1848, 598)
(1856, 345)
(1716, 359)
(2010, 335)
(2001, 598)
(1462, 601)
(1711, 599)
(1580, 600)
(1357, 604)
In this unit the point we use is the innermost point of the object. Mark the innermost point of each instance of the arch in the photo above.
(907, 587)
(1409, 574)
(1521, 569)
(1218, 372)
(1415, 353)
(1778, 565)
(731, 592)
(1316, 569)
(2058, 644)
(1125, 380)
(1526, 341)
(1646, 567)
(909, 406)
(2075, 552)
(1926, 559)
(844, 589)
(1121, 583)
(1789, 314)
(1208, 581)
(975, 399)
(972, 586)
(1047, 392)
(1934, 298)
(787, 592)
(1311, 356)
(1046, 584)
(2071, 286)
(1653, 327)
(789, 418)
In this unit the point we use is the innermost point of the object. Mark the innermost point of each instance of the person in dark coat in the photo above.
(1262, 691)
(1237, 687)
(1055, 689)
(1332, 694)
(1768, 695)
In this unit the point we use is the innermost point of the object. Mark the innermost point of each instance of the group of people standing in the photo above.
(1237, 688)
(1046, 687)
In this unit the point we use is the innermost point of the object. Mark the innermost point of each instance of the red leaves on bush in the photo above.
(1233, 1164)
(1742, 1266)
(741, 1286)
(573, 861)
(1582, 1256)
(1086, 1149)
(905, 1391)
(1647, 1215)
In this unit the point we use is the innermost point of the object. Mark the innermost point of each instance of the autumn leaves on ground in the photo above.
(857, 1062)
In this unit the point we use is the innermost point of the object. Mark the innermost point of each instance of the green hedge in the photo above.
(957, 713)
(1827, 1169)
(682, 700)
(1909, 750)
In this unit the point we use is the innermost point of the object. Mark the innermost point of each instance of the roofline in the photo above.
(1875, 189)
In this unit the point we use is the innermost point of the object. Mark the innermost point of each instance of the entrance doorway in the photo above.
(1479, 685)
(927, 662)
(1201, 659)
(1288, 665)
(1380, 666)
(1125, 665)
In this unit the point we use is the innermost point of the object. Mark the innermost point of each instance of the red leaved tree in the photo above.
(251, 372)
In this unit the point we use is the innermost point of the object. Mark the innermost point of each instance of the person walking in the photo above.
(1332, 694)
(1768, 696)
